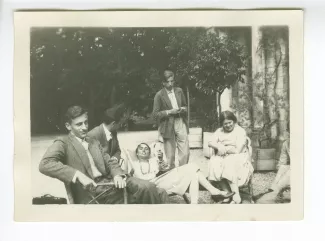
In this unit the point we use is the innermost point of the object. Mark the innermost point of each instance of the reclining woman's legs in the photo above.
(199, 178)
(145, 192)
(208, 186)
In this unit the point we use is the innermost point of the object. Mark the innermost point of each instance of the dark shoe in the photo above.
(227, 202)
(255, 198)
(220, 197)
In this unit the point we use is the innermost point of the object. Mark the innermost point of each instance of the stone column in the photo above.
(258, 74)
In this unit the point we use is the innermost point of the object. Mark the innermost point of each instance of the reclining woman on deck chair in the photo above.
(175, 181)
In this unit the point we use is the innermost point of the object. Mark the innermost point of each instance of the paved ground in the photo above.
(44, 185)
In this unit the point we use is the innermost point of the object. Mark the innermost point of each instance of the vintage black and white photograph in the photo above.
(161, 115)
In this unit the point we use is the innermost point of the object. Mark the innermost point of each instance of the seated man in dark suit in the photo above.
(106, 133)
(81, 164)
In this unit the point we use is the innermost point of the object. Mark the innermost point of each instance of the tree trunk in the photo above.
(92, 106)
(188, 105)
(112, 99)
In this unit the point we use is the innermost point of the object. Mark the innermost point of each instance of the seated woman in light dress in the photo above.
(231, 161)
(177, 180)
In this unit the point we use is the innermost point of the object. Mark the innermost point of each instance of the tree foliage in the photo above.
(100, 67)
(208, 62)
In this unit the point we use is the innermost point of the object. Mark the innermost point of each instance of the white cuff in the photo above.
(121, 175)
(74, 179)
(115, 158)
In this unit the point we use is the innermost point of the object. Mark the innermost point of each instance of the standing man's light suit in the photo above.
(173, 128)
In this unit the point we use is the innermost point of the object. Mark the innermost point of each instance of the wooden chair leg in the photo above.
(125, 196)
(250, 190)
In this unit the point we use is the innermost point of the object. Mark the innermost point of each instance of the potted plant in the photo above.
(264, 148)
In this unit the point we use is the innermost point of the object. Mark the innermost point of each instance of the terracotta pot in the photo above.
(264, 159)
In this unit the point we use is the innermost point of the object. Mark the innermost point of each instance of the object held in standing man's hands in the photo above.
(182, 109)
(162, 164)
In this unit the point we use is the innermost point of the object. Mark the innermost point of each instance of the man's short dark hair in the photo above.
(108, 119)
(113, 114)
(167, 73)
(73, 112)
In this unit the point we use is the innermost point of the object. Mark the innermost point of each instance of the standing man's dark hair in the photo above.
(167, 74)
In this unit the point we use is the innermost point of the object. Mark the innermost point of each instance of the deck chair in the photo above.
(128, 156)
(249, 185)
(95, 198)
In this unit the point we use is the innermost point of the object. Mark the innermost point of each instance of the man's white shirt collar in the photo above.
(107, 133)
(82, 141)
(170, 91)
(79, 139)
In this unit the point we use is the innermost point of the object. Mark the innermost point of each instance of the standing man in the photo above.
(169, 110)
(81, 164)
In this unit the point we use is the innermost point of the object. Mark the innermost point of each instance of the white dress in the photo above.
(235, 165)
(175, 181)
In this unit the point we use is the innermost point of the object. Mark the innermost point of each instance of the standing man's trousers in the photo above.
(179, 141)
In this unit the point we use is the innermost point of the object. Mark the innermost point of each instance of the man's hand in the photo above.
(85, 181)
(221, 150)
(119, 182)
(173, 111)
(162, 164)
(182, 109)
(160, 155)
(114, 158)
